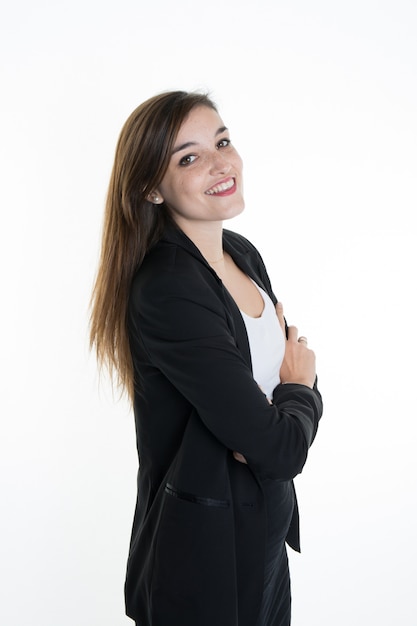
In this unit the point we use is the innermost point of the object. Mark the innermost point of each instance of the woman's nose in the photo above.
(219, 164)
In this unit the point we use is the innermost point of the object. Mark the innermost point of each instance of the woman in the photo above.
(224, 394)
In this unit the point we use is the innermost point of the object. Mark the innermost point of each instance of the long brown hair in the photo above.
(132, 224)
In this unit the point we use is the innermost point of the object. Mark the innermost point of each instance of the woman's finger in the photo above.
(280, 313)
(292, 333)
(239, 457)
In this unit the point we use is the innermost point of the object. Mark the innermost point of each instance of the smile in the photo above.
(222, 189)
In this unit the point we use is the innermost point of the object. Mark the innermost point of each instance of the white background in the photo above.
(321, 100)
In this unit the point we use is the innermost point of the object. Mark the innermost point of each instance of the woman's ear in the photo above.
(155, 197)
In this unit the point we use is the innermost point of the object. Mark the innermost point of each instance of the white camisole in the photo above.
(267, 345)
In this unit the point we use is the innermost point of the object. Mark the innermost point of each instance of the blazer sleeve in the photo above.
(183, 327)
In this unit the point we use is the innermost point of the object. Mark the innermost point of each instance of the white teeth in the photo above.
(222, 187)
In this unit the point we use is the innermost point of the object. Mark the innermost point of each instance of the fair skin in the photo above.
(202, 187)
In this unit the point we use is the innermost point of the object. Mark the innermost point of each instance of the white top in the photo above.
(267, 345)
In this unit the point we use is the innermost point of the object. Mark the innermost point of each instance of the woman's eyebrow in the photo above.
(188, 144)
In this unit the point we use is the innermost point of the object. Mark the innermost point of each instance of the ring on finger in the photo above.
(302, 340)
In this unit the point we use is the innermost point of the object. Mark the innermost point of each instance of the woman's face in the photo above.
(203, 182)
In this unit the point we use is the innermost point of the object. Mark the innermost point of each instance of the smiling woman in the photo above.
(224, 392)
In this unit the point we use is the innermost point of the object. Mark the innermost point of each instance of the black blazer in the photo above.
(198, 540)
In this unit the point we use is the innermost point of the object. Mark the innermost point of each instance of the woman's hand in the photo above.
(299, 364)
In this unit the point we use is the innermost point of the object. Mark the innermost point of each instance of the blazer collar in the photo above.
(245, 257)
(235, 245)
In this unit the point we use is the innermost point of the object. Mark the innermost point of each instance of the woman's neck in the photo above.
(208, 238)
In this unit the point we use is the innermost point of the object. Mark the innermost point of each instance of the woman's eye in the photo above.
(187, 160)
(223, 143)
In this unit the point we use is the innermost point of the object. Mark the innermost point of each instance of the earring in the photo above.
(154, 198)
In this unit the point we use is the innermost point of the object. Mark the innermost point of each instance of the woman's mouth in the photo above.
(224, 188)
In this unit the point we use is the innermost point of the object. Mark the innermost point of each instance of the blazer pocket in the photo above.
(195, 499)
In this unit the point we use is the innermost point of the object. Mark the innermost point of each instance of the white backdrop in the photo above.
(321, 100)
